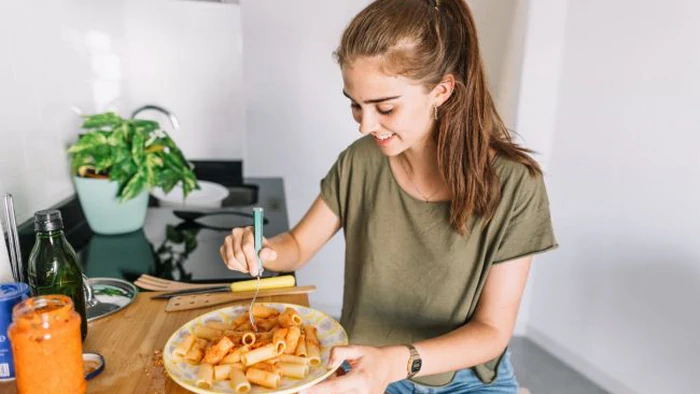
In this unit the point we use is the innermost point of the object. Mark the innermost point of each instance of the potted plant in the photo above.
(117, 162)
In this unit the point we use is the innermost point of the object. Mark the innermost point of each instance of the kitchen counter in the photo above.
(168, 246)
(130, 342)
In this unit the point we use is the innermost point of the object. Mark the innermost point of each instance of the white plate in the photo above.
(330, 334)
(210, 195)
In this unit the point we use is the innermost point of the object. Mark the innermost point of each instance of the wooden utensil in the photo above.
(188, 302)
(149, 282)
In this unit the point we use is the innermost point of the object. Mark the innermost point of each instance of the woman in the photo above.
(441, 211)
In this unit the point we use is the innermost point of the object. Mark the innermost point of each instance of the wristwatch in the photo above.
(414, 362)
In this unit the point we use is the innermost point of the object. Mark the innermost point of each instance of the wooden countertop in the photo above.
(129, 339)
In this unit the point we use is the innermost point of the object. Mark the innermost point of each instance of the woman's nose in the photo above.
(368, 123)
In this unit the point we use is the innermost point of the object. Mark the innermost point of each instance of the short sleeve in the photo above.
(529, 228)
(332, 185)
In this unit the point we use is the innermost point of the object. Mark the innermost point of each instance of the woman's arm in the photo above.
(287, 251)
(488, 332)
(295, 247)
(485, 337)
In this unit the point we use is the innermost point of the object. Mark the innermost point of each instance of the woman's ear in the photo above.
(443, 90)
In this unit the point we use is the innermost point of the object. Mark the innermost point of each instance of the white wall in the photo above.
(111, 55)
(502, 27)
(619, 299)
(186, 56)
(53, 54)
(298, 121)
(542, 57)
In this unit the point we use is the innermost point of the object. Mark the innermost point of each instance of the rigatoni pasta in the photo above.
(232, 351)
(313, 346)
(205, 376)
(298, 371)
(238, 380)
(184, 346)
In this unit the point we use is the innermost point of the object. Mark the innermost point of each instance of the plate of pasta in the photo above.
(220, 352)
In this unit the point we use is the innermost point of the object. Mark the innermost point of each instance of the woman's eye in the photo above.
(354, 106)
(385, 111)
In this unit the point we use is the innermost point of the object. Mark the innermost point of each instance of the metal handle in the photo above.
(258, 214)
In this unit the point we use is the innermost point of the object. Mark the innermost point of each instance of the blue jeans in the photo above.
(465, 382)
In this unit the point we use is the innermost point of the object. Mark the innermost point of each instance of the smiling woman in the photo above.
(441, 211)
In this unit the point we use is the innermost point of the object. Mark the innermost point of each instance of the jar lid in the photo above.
(93, 365)
(9, 291)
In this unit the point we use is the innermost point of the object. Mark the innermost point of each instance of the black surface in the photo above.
(170, 247)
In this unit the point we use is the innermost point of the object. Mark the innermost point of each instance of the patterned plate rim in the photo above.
(167, 358)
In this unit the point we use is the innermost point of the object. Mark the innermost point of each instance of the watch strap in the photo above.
(414, 362)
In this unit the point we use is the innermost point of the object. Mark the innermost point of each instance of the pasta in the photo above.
(292, 339)
(232, 351)
(205, 376)
(184, 346)
(238, 380)
(313, 346)
(301, 347)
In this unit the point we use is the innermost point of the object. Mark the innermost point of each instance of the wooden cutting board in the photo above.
(195, 301)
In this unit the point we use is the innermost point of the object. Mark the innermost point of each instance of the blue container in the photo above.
(11, 294)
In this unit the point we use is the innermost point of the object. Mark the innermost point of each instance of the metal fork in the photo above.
(258, 214)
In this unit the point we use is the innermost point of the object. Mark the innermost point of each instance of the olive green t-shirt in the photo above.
(409, 275)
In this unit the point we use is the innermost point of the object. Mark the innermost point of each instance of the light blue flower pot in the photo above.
(105, 214)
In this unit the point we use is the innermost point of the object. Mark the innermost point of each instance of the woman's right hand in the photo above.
(238, 251)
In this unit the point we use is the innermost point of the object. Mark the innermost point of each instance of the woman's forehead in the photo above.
(364, 79)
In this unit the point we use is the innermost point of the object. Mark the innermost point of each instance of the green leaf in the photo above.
(168, 180)
(145, 126)
(173, 235)
(153, 164)
(108, 119)
(79, 160)
(103, 163)
(118, 136)
(88, 142)
(190, 240)
(137, 149)
(120, 154)
(133, 187)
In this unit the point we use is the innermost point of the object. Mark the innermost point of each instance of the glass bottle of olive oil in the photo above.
(53, 264)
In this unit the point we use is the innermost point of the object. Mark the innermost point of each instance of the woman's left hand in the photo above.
(372, 370)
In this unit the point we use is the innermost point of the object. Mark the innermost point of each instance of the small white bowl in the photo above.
(210, 195)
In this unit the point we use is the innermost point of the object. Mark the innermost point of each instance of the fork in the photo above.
(149, 282)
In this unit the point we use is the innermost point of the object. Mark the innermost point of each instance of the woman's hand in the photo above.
(238, 251)
(372, 370)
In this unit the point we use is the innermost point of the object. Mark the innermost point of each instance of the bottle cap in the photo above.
(49, 220)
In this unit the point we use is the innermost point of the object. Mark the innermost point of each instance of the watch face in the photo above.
(415, 366)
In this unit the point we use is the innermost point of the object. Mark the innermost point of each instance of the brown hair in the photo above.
(426, 40)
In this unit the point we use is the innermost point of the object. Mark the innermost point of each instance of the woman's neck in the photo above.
(419, 168)
(421, 161)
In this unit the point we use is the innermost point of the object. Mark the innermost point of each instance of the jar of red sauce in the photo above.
(46, 345)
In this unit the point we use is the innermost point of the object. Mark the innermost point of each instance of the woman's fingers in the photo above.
(248, 247)
(339, 354)
(231, 252)
(238, 251)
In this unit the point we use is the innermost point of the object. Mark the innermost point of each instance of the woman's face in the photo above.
(395, 110)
